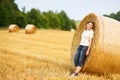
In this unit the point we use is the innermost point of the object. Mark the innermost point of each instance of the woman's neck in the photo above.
(88, 29)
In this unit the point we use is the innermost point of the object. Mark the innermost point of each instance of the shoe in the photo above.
(74, 74)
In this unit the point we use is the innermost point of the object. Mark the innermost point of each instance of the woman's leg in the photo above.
(80, 62)
(78, 68)
(76, 57)
(81, 59)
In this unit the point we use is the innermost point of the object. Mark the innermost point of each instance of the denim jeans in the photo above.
(80, 55)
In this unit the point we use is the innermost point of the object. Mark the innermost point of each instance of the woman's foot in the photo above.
(74, 74)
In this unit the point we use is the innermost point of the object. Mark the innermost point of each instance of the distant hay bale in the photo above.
(13, 28)
(105, 51)
(72, 30)
(29, 29)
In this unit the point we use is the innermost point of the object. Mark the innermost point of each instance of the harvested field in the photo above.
(41, 56)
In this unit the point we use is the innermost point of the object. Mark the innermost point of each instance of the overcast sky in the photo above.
(75, 9)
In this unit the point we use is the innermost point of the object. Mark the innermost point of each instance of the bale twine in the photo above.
(29, 29)
(105, 50)
(13, 28)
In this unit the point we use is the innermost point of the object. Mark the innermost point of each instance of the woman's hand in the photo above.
(87, 52)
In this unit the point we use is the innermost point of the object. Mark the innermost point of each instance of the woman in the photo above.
(84, 47)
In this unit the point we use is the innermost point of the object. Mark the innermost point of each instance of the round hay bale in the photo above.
(13, 28)
(30, 29)
(105, 51)
(72, 30)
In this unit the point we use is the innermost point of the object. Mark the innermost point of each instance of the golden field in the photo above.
(44, 55)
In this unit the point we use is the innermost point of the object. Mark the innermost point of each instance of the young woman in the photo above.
(84, 47)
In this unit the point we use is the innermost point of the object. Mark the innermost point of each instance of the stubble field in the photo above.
(41, 56)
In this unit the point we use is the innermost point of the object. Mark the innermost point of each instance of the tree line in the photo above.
(114, 15)
(10, 14)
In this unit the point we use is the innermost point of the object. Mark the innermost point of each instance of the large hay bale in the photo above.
(13, 28)
(29, 29)
(105, 51)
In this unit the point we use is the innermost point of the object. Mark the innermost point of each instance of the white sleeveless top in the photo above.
(86, 35)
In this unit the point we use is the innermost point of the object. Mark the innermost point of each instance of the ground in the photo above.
(44, 55)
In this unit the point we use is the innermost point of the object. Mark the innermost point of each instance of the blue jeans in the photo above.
(80, 55)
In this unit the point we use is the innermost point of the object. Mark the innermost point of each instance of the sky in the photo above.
(75, 9)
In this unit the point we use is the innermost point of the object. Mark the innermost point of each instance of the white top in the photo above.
(86, 35)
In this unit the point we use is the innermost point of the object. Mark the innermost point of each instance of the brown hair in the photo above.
(90, 22)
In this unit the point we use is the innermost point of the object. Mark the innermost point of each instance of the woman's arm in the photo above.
(88, 50)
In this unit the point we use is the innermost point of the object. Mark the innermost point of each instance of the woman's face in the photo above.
(89, 26)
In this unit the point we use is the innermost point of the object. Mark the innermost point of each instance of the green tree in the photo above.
(73, 26)
(10, 14)
(114, 15)
(7, 12)
(20, 19)
(53, 20)
(64, 21)
(118, 16)
(35, 17)
(3, 15)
